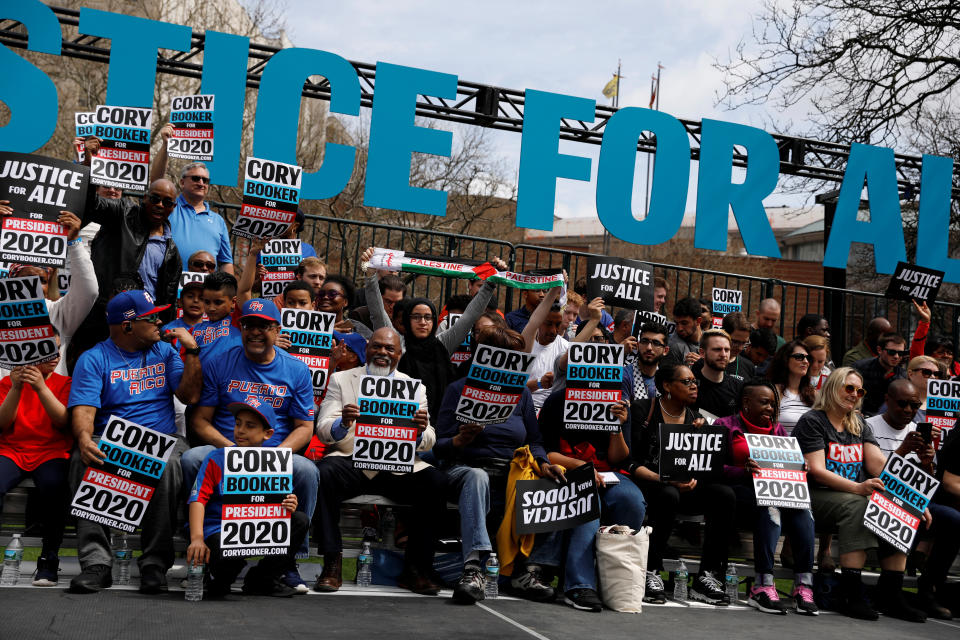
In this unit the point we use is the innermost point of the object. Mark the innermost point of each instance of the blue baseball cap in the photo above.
(355, 342)
(130, 305)
(260, 308)
(258, 407)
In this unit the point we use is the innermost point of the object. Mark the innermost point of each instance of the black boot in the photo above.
(890, 600)
(927, 601)
(855, 603)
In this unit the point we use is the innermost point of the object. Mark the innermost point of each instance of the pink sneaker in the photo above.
(765, 599)
(803, 600)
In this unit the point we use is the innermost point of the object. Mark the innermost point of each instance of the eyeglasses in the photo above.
(203, 179)
(647, 341)
(421, 317)
(329, 294)
(687, 382)
(203, 264)
(153, 318)
(598, 339)
(800, 357)
(903, 404)
(257, 325)
(852, 388)
(926, 373)
(155, 199)
(895, 353)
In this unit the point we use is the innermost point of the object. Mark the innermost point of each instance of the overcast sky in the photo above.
(558, 46)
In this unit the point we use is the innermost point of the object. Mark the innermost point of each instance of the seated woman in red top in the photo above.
(757, 413)
(35, 441)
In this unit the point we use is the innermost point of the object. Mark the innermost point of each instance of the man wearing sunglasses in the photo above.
(134, 237)
(134, 376)
(893, 427)
(880, 371)
(195, 226)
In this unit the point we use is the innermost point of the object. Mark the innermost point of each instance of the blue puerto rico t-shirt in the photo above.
(284, 383)
(177, 324)
(208, 331)
(134, 385)
(208, 490)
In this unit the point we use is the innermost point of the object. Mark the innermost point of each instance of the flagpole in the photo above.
(616, 104)
(656, 95)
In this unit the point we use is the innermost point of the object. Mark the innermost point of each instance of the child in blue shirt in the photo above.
(252, 428)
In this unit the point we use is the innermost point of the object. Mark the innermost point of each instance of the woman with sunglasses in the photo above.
(677, 388)
(843, 462)
(336, 295)
(789, 371)
(757, 414)
(920, 370)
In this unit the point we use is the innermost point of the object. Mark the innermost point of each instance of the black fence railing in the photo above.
(342, 241)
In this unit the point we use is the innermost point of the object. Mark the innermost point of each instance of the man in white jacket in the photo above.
(423, 489)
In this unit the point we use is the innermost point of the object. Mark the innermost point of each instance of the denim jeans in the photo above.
(620, 504)
(470, 488)
(768, 523)
(306, 481)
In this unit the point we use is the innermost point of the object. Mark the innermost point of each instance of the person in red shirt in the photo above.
(35, 441)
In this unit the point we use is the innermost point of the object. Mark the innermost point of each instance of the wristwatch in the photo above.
(191, 352)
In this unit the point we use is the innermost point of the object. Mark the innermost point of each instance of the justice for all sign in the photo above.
(192, 119)
(271, 193)
(38, 189)
(116, 493)
(26, 335)
(280, 258)
(725, 301)
(256, 480)
(311, 340)
(594, 386)
(643, 317)
(543, 505)
(385, 436)
(691, 452)
(781, 482)
(910, 282)
(943, 405)
(620, 282)
(124, 157)
(895, 513)
(494, 385)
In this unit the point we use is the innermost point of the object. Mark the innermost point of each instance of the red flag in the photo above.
(484, 270)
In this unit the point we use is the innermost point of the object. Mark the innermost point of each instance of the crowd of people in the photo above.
(219, 375)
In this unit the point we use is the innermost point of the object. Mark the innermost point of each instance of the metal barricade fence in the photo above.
(340, 242)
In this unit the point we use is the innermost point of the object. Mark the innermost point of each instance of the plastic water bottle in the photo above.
(12, 557)
(680, 577)
(365, 566)
(491, 589)
(732, 583)
(388, 526)
(121, 560)
(194, 591)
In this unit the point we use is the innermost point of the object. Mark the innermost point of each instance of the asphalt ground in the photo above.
(385, 612)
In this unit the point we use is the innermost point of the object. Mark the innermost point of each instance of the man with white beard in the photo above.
(339, 480)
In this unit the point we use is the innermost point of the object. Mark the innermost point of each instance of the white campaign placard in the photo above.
(192, 119)
(256, 480)
(385, 435)
(594, 386)
(124, 157)
(494, 385)
(725, 301)
(26, 335)
(311, 340)
(894, 514)
(271, 194)
(116, 493)
(190, 276)
(781, 482)
(280, 258)
(943, 405)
